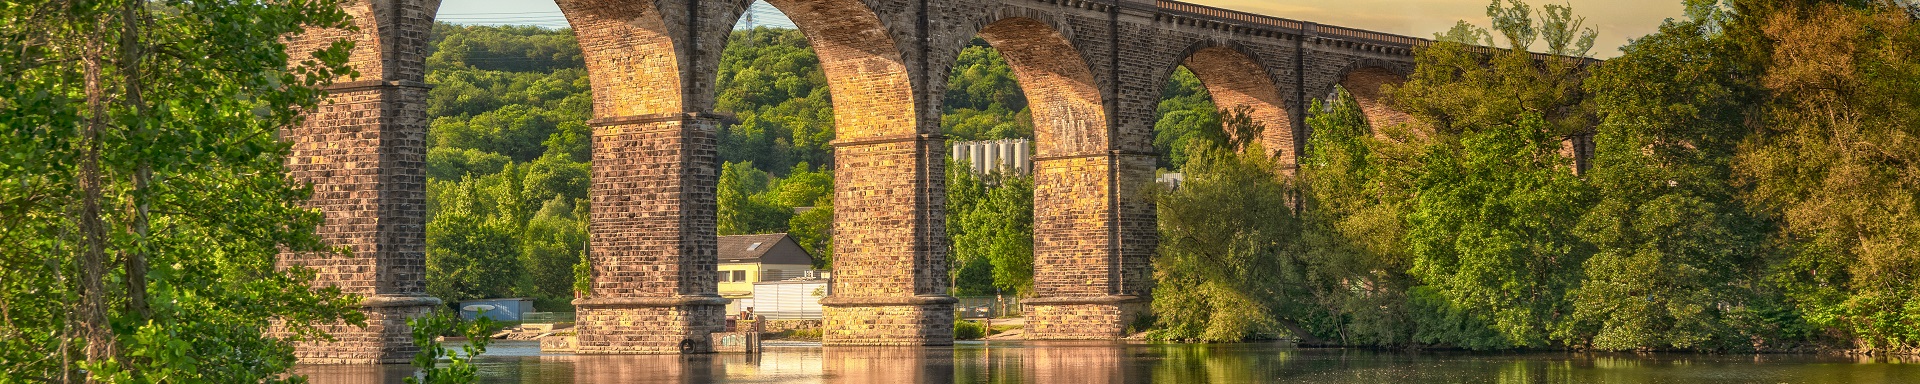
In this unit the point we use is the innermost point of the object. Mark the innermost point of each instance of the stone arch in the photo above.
(869, 77)
(1073, 180)
(890, 280)
(383, 48)
(631, 57)
(652, 237)
(1069, 110)
(1085, 284)
(1366, 80)
(1236, 78)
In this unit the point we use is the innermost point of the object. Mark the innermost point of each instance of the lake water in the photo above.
(1108, 362)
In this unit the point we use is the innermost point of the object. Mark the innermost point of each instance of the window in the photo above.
(733, 276)
(754, 246)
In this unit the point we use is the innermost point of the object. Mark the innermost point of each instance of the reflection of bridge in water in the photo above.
(1114, 362)
(1062, 362)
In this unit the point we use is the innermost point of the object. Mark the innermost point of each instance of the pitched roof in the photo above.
(752, 248)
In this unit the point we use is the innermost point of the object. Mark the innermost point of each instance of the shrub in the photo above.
(967, 330)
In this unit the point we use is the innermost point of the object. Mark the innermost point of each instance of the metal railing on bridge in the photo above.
(1228, 14)
(1289, 25)
(1322, 30)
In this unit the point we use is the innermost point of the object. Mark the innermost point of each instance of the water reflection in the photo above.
(1101, 362)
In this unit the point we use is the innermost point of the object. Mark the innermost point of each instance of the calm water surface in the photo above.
(1037, 362)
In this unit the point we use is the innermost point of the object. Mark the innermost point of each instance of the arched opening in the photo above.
(775, 191)
(1026, 214)
(662, 157)
(885, 269)
(1237, 83)
(1367, 85)
(1039, 220)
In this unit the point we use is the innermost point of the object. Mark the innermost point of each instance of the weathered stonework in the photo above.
(386, 339)
(1093, 71)
(364, 150)
(647, 329)
(654, 252)
(1100, 318)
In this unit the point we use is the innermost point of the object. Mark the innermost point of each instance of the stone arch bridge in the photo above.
(1092, 70)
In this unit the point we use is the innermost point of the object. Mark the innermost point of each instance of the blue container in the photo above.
(497, 309)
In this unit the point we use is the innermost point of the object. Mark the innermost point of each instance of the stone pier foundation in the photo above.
(666, 327)
(890, 262)
(1103, 318)
(1094, 239)
(654, 252)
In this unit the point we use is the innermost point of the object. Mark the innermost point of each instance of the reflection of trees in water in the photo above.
(355, 374)
(1103, 362)
(777, 366)
(1240, 363)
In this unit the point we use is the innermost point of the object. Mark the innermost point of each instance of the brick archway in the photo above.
(1078, 292)
(652, 247)
(1367, 83)
(1235, 79)
(890, 278)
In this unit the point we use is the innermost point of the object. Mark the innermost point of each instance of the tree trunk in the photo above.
(93, 290)
(136, 263)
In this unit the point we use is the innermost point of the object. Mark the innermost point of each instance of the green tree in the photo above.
(508, 163)
(813, 229)
(145, 190)
(1835, 160)
(771, 79)
(1185, 110)
(1491, 229)
(1458, 88)
(552, 244)
(746, 205)
(473, 239)
(991, 230)
(1353, 226)
(983, 100)
(1227, 277)
(427, 331)
(1680, 256)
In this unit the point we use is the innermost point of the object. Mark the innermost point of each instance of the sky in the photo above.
(1616, 20)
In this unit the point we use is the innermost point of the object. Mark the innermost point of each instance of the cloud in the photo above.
(1617, 20)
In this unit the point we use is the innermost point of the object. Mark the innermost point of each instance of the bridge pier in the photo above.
(890, 269)
(1094, 234)
(655, 255)
(364, 149)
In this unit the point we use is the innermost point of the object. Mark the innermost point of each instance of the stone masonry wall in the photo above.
(654, 251)
(364, 150)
